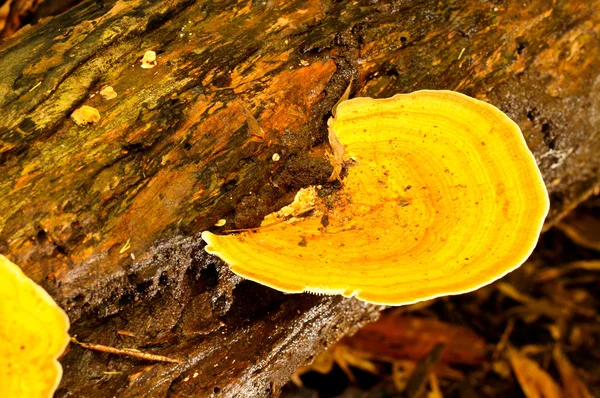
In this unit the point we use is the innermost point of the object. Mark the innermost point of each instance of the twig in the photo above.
(129, 352)
(34, 87)
(126, 247)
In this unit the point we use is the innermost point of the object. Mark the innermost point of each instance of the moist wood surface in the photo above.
(106, 217)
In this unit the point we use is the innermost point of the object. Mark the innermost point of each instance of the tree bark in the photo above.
(106, 217)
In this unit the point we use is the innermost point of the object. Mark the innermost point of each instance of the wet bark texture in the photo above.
(106, 217)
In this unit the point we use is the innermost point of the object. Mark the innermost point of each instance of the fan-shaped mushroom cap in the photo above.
(33, 334)
(442, 196)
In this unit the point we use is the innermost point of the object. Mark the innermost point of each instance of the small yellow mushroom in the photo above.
(33, 334)
(108, 93)
(442, 196)
(149, 60)
(85, 115)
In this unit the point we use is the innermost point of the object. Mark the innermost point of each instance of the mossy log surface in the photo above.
(106, 217)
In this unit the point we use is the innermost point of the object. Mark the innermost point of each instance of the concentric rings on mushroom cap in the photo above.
(442, 196)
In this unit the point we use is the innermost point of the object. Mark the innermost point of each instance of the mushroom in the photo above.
(85, 115)
(108, 93)
(442, 196)
(149, 60)
(33, 334)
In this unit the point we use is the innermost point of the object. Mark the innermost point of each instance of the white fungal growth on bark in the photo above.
(149, 60)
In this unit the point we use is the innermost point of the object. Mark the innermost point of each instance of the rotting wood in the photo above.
(172, 154)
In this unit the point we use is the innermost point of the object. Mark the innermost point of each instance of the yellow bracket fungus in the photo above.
(33, 334)
(442, 196)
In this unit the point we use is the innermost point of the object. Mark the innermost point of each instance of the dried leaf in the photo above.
(534, 381)
(419, 376)
(435, 392)
(345, 96)
(257, 133)
(401, 370)
(573, 386)
(556, 272)
(395, 337)
(322, 363)
(346, 357)
(582, 227)
(505, 336)
(337, 158)
(532, 308)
